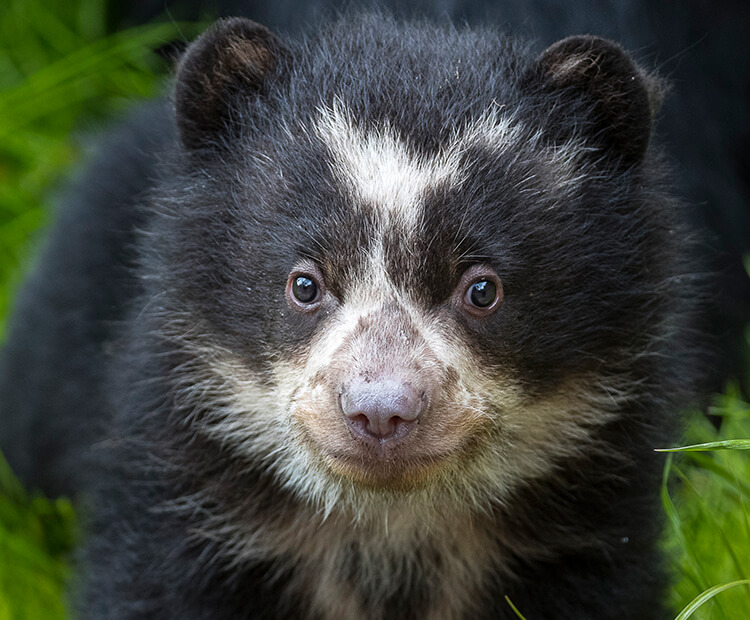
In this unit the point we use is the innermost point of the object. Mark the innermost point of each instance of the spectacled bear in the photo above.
(381, 323)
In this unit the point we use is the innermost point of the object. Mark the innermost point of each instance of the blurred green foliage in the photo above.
(37, 536)
(61, 72)
(59, 66)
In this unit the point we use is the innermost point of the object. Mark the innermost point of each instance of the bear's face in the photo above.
(383, 313)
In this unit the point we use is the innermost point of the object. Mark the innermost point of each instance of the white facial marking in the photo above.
(384, 171)
(379, 167)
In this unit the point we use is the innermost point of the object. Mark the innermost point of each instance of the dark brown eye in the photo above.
(479, 291)
(482, 294)
(305, 289)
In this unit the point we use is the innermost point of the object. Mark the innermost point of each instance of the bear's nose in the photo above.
(382, 409)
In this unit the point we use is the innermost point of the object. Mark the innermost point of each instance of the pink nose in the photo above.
(384, 409)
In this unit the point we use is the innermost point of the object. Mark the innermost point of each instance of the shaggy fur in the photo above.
(395, 166)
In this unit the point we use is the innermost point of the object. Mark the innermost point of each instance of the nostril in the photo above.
(359, 422)
(377, 426)
(382, 408)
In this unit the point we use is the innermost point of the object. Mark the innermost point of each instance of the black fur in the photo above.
(186, 230)
(704, 123)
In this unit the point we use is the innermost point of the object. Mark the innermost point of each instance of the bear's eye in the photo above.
(305, 289)
(479, 291)
(482, 294)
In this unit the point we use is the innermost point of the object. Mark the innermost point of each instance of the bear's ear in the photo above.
(621, 98)
(229, 63)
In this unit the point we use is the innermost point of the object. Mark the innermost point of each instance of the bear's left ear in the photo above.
(228, 65)
(620, 97)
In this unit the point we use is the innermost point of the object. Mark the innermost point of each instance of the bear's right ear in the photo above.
(228, 64)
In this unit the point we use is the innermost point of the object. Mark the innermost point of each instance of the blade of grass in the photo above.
(514, 608)
(706, 596)
(727, 444)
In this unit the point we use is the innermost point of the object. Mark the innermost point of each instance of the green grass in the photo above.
(63, 73)
(709, 512)
(59, 66)
(37, 536)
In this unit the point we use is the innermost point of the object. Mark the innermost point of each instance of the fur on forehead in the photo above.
(382, 170)
(403, 191)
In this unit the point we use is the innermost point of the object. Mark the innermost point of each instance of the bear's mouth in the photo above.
(406, 460)
(386, 468)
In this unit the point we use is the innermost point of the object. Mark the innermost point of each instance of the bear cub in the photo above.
(384, 322)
